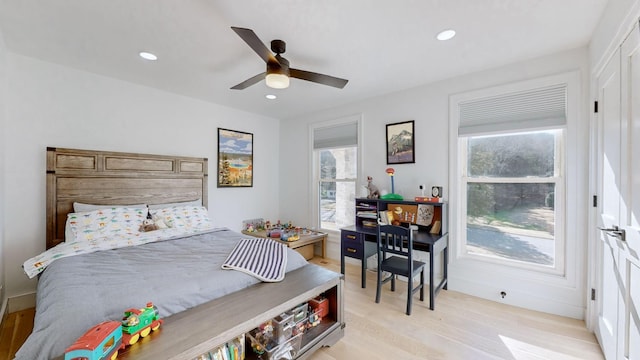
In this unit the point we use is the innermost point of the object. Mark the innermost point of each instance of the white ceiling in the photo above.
(379, 46)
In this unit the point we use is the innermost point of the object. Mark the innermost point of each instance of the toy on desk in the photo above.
(105, 339)
(289, 236)
(374, 192)
(391, 196)
(436, 195)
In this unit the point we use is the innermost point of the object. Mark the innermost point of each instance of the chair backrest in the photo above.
(395, 240)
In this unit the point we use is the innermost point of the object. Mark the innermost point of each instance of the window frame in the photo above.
(559, 179)
(318, 181)
(574, 172)
(314, 173)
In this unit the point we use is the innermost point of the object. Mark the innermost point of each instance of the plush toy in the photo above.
(148, 225)
(159, 222)
(374, 193)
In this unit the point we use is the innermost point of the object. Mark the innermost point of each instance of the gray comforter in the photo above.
(78, 292)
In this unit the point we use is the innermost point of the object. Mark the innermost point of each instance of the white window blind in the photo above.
(335, 136)
(540, 108)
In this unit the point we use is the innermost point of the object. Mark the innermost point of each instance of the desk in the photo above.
(359, 242)
(305, 245)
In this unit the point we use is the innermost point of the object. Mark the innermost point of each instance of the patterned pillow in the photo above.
(193, 217)
(103, 223)
(80, 207)
(197, 202)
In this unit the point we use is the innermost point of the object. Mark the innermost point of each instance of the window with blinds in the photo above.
(541, 108)
(335, 168)
(510, 147)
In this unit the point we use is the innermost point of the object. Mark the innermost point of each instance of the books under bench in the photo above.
(278, 338)
(232, 350)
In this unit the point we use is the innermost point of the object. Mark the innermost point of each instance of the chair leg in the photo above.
(393, 282)
(422, 284)
(409, 293)
(379, 284)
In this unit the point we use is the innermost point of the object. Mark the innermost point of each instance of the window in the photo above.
(510, 175)
(337, 186)
(335, 172)
(512, 182)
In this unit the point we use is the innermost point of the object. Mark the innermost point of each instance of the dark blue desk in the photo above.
(359, 242)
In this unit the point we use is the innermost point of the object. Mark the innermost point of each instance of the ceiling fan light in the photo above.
(446, 35)
(277, 81)
(148, 56)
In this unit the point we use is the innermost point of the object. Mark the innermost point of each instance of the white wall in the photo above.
(429, 106)
(52, 105)
(3, 95)
(618, 17)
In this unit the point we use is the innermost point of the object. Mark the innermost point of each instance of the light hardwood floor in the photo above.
(461, 327)
(15, 329)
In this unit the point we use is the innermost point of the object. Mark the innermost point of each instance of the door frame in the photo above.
(594, 264)
(594, 247)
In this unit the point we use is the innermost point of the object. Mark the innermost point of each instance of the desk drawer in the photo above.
(352, 244)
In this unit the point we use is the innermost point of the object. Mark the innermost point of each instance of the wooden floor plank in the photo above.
(461, 327)
(15, 331)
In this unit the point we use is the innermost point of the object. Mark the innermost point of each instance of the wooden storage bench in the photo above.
(190, 333)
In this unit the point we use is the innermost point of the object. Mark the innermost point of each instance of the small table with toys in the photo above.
(301, 240)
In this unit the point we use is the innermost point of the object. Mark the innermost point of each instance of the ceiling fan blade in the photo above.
(254, 42)
(251, 81)
(318, 78)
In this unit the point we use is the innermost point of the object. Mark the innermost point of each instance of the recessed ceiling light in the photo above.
(446, 35)
(271, 97)
(148, 56)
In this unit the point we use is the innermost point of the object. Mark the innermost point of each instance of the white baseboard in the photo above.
(21, 302)
(518, 298)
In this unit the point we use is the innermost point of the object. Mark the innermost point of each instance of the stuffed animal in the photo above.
(148, 225)
(374, 192)
(159, 222)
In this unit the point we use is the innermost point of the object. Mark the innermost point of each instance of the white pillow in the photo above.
(103, 223)
(197, 202)
(80, 207)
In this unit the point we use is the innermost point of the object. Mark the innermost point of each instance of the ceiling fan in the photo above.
(278, 71)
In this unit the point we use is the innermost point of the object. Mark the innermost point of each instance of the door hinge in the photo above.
(593, 294)
(595, 107)
(595, 200)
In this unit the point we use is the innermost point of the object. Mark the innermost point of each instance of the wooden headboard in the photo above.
(114, 178)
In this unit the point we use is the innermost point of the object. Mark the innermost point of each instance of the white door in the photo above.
(619, 208)
(630, 191)
(609, 176)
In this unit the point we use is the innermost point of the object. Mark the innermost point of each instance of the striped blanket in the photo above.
(262, 258)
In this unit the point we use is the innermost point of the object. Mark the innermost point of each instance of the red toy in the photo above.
(105, 339)
(100, 342)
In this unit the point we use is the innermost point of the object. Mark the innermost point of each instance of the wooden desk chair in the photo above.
(397, 240)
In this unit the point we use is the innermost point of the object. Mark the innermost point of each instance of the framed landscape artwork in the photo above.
(235, 158)
(400, 143)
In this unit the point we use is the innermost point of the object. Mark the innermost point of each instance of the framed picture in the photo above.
(235, 158)
(400, 143)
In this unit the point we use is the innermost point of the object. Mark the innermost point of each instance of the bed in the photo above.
(181, 275)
